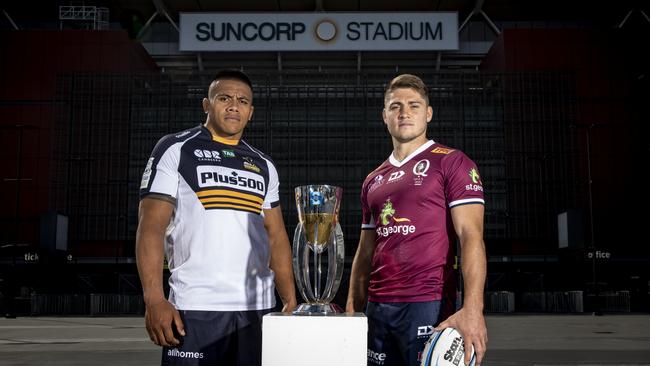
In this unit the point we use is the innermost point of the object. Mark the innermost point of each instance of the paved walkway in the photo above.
(514, 340)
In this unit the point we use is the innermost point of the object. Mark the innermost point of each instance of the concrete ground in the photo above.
(514, 340)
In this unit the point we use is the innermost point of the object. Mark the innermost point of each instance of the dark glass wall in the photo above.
(321, 129)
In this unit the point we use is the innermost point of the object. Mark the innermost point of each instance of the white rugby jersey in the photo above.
(216, 244)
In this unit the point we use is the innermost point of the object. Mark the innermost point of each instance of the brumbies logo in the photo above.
(248, 164)
(388, 213)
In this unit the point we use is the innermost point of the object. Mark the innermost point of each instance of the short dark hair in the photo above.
(234, 74)
(408, 81)
(230, 74)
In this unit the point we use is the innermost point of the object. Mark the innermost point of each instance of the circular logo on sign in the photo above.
(326, 30)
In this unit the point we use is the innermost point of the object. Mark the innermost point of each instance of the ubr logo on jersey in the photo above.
(207, 155)
(386, 216)
(476, 179)
(218, 176)
(174, 352)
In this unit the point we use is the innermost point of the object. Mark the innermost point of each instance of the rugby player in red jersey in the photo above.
(415, 205)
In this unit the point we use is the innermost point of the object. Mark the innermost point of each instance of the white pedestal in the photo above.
(332, 340)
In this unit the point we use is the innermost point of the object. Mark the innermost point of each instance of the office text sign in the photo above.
(424, 31)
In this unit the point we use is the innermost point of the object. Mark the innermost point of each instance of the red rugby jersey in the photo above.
(408, 205)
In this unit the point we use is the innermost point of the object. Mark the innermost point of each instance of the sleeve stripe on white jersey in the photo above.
(367, 226)
(466, 201)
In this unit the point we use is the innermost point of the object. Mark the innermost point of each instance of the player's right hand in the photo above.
(349, 307)
(161, 318)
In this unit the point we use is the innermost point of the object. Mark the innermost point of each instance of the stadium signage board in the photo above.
(241, 32)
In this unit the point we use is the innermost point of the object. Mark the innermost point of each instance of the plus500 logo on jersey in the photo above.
(217, 176)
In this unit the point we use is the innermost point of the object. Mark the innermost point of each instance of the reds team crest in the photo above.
(420, 171)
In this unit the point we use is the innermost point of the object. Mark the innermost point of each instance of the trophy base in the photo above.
(317, 309)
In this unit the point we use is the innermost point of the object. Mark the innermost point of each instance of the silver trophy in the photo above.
(318, 233)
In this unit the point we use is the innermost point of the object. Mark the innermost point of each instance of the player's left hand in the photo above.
(289, 306)
(471, 325)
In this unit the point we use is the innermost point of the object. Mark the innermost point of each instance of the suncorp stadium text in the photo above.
(286, 31)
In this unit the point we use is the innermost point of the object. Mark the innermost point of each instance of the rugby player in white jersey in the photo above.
(210, 205)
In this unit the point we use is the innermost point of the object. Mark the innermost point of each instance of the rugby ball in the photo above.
(445, 348)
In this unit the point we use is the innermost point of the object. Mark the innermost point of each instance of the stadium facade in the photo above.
(550, 103)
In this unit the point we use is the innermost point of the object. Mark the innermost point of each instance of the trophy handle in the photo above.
(335, 260)
(301, 268)
(301, 264)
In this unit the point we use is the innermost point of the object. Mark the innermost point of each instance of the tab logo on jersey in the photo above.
(476, 179)
(395, 176)
(228, 153)
(387, 216)
(207, 155)
(219, 176)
